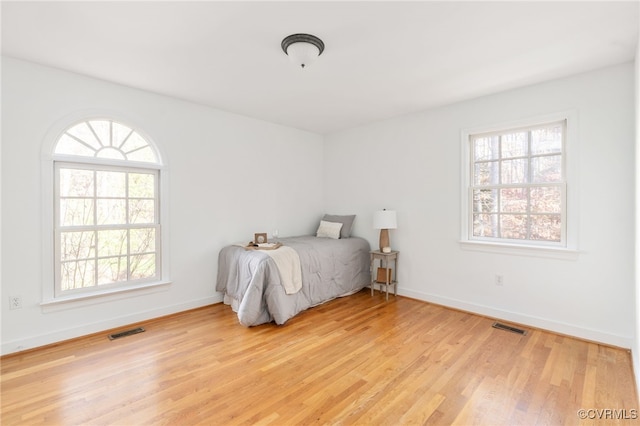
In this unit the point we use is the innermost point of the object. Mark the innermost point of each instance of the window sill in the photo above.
(80, 300)
(521, 250)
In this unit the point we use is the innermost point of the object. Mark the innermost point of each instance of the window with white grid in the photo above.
(517, 185)
(107, 209)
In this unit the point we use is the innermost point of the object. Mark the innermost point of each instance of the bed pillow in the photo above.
(329, 230)
(345, 220)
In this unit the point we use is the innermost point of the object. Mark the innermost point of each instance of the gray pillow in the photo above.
(345, 220)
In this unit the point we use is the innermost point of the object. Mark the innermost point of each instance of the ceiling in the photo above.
(382, 59)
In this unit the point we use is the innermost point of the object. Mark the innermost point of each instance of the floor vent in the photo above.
(505, 327)
(125, 333)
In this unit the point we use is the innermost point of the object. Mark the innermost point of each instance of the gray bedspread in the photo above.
(250, 281)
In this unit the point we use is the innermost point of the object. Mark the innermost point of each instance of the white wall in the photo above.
(230, 176)
(412, 164)
(636, 346)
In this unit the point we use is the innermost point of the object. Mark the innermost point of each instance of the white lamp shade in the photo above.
(302, 54)
(385, 219)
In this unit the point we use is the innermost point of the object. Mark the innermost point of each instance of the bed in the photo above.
(255, 288)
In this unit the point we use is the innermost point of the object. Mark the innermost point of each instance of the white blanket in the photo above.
(288, 263)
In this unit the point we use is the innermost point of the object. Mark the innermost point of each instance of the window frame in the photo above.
(568, 247)
(52, 299)
(59, 228)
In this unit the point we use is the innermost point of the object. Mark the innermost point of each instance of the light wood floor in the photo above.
(355, 360)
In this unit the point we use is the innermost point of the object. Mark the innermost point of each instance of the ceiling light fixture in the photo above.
(302, 49)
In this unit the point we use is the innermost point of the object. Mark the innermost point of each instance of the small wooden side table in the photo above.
(390, 279)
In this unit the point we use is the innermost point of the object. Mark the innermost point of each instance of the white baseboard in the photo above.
(86, 329)
(625, 342)
(545, 324)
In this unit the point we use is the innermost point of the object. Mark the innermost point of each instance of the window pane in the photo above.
(547, 169)
(486, 173)
(111, 184)
(143, 266)
(77, 274)
(143, 240)
(142, 211)
(69, 146)
(112, 153)
(485, 225)
(112, 242)
(90, 138)
(120, 134)
(513, 226)
(486, 148)
(112, 212)
(77, 245)
(547, 140)
(76, 211)
(546, 199)
(112, 269)
(76, 183)
(83, 132)
(518, 191)
(546, 227)
(485, 200)
(145, 154)
(513, 200)
(141, 185)
(514, 171)
(514, 145)
(102, 129)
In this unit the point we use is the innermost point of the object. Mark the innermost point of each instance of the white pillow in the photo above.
(329, 230)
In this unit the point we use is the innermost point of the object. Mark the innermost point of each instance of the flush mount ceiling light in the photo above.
(302, 49)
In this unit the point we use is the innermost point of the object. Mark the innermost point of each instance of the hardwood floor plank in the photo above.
(358, 360)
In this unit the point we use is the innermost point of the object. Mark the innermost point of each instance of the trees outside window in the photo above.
(517, 188)
(106, 213)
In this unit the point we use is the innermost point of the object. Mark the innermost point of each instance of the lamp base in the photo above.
(384, 240)
(386, 249)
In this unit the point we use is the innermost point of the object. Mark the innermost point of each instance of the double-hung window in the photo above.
(517, 190)
(106, 209)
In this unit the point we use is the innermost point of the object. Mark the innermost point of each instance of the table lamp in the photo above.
(385, 220)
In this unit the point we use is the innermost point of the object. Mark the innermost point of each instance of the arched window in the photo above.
(106, 208)
(105, 139)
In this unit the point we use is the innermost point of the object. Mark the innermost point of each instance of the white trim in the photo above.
(548, 252)
(84, 299)
(107, 162)
(518, 318)
(570, 161)
(48, 157)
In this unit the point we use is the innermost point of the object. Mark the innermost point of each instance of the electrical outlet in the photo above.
(15, 302)
(499, 279)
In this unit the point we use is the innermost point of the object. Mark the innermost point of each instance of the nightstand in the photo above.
(388, 279)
